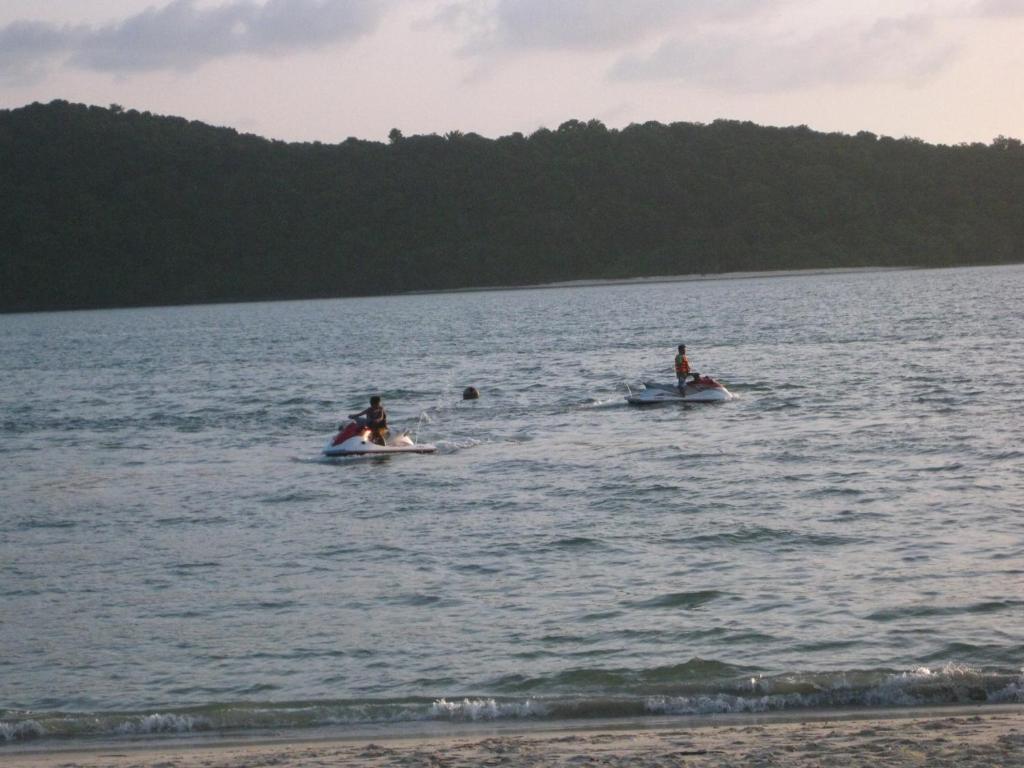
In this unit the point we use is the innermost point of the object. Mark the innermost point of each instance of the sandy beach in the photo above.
(976, 737)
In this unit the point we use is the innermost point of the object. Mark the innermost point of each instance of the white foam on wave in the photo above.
(485, 709)
(164, 723)
(950, 684)
(458, 445)
(603, 402)
(1013, 693)
(21, 731)
(720, 704)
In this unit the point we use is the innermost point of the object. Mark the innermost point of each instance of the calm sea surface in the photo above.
(175, 555)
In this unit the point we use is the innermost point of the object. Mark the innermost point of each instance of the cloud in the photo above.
(750, 61)
(27, 48)
(1000, 8)
(536, 25)
(182, 35)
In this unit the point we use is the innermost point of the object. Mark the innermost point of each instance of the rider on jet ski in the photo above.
(683, 369)
(375, 418)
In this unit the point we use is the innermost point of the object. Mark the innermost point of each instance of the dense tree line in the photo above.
(108, 207)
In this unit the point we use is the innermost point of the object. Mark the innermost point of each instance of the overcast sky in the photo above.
(946, 71)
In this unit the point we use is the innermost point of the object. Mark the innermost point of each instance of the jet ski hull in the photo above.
(377, 450)
(352, 441)
(706, 391)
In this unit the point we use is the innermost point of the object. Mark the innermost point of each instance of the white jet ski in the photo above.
(704, 390)
(354, 439)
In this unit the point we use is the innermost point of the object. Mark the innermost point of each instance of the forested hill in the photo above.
(107, 207)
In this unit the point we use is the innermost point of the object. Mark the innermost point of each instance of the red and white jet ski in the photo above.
(354, 439)
(703, 390)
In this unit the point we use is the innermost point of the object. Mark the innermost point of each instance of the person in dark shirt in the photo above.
(375, 418)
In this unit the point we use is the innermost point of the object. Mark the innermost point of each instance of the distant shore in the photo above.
(951, 737)
(655, 279)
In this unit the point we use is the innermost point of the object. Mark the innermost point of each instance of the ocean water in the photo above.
(176, 556)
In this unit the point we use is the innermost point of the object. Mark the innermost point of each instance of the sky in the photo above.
(945, 71)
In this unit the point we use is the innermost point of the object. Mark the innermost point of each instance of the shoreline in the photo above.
(657, 279)
(584, 283)
(939, 738)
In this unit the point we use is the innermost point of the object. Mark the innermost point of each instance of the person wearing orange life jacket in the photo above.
(683, 369)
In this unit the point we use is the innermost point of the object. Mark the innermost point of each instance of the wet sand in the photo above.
(979, 737)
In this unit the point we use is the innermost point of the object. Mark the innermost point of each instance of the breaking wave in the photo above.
(705, 693)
